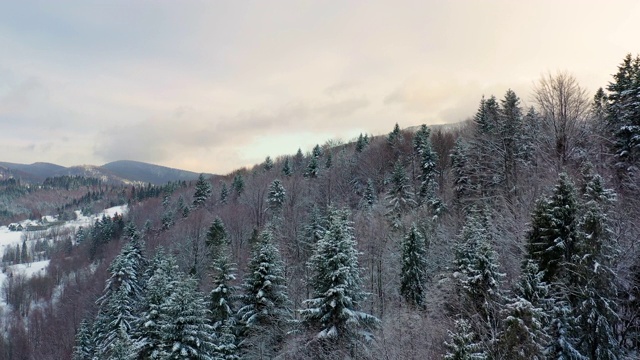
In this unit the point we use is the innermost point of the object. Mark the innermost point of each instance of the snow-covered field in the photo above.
(9, 239)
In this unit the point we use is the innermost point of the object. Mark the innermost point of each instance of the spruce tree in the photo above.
(333, 313)
(427, 159)
(524, 316)
(624, 114)
(463, 343)
(216, 237)
(394, 136)
(238, 184)
(552, 240)
(313, 168)
(276, 196)
(597, 291)
(203, 191)
(316, 151)
(463, 187)
(162, 275)
(400, 198)
(185, 328)
(121, 299)
(85, 345)
(268, 164)
(369, 196)
(477, 279)
(361, 143)
(286, 168)
(413, 276)
(224, 194)
(265, 314)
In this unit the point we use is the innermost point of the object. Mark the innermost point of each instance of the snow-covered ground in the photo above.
(9, 239)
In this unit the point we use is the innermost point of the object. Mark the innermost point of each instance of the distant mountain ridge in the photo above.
(117, 172)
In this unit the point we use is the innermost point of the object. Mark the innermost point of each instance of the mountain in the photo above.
(31, 173)
(148, 173)
(123, 172)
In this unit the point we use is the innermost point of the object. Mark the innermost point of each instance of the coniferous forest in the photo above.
(511, 235)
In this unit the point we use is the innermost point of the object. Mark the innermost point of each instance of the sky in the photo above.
(211, 86)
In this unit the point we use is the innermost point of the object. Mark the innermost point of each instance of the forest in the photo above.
(511, 235)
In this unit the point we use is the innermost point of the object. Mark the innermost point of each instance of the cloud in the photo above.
(197, 83)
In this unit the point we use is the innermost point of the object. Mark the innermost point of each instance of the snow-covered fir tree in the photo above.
(313, 168)
(399, 198)
(413, 275)
(361, 143)
(121, 299)
(523, 336)
(203, 191)
(596, 288)
(552, 240)
(162, 275)
(463, 343)
(266, 311)
(185, 329)
(216, 237)
(369, 195)
(85, 345)
(287, 170)
(333, 313)
(477, 279)
(268, 164)
(238, 184)
(276, 196)
(427, 159)
(224, 194)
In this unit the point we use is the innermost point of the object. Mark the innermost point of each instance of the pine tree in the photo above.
(122, 347)
(329, 162)
(413, 276)
(552, 240)
(394, 136)
(463, 187)
(224, 194)
(298, 158)
(276, 196)
(216, 237)
(266, 311)
(161, 274)
(400, 197)
(81, 235)
(268, 164)
(121, 299)
(221, 298)
(203, 191)
(523, 336)
(286, 168)
(316, 151)
(361, 143)
(221, 305)
(463, 344)
(624, 114)
(427, 160)
(333, 312)
(238, 184)
(596, 309)
(312, 168)
(476, 277)
(369, 195)
(185, 329)
(85, 346)
(511, 134)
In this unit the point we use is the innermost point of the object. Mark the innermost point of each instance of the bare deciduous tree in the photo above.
(564, 106)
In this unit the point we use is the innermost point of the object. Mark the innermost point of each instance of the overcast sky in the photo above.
(211, 86)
